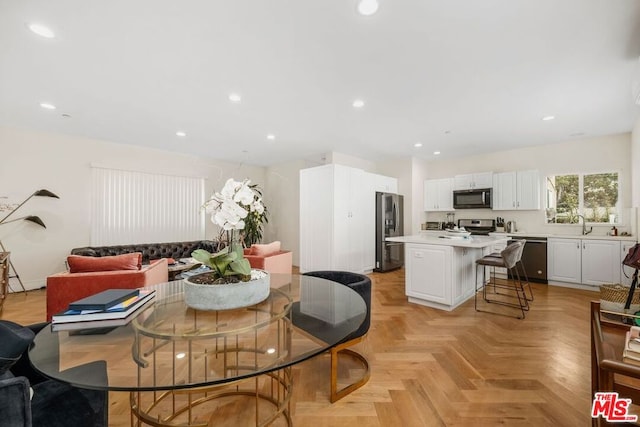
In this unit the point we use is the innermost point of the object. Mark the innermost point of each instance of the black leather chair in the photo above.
(362, 285)
(28, 399)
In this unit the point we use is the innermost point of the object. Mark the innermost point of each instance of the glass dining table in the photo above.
(181, 365)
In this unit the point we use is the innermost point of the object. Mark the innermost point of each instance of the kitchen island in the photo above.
(439, 271)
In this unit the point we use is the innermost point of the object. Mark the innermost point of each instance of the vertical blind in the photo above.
(135, 207)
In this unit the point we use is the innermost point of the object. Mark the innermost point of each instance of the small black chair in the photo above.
(28, 399)
(362, 285)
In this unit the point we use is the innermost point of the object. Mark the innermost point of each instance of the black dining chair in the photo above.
(27, 399)
(362, 285)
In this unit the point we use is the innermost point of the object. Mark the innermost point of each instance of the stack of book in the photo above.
(110, 308)
(631, 352)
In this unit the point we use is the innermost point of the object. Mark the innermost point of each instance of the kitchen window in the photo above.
(594, 196)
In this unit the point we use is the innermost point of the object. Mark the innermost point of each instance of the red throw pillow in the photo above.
(87, 264)
(266, 249)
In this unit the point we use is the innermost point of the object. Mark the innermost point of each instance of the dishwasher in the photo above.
(534, 258)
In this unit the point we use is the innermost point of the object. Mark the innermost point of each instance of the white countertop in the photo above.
(567, 236)
(435, 239)
(549, 235)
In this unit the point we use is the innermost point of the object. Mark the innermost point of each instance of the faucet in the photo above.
(584, 226)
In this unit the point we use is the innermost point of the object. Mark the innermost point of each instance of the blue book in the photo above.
(104, 300)
(120, 311)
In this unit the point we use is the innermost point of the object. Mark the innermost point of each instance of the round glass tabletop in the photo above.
(171, 346)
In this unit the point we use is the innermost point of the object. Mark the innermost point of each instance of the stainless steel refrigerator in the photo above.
(389, 213)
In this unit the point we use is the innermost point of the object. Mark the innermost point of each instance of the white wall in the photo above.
(62, 164)
(283, 201)
(635, 173)
(610, 153)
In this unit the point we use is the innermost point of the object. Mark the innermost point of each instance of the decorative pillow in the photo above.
(265, 249)
(87, 264)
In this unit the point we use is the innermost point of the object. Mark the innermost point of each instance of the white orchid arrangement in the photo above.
(228, 209)
(230, 206)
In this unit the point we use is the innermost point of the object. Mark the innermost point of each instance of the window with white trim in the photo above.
(594, 196)
(135, 207)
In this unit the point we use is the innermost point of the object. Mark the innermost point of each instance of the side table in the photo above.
(4, 277)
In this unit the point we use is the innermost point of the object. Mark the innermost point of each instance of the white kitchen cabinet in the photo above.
(427, 276)
(564, 260)
(626, 273)
(438, 194)
(384, 184)
(440, 276)
(464, 274)
(516, 190)
(590, 262)
(471, 181)
(333, 231)
(600, 262)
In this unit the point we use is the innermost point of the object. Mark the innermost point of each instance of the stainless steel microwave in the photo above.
(476, 198)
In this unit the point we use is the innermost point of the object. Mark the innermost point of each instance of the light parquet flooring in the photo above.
(436, 368)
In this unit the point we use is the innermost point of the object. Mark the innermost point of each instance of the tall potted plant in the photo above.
(228, 208)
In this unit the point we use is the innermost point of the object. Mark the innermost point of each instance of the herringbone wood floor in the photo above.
(436, 368)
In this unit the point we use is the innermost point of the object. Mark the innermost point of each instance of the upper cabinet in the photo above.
(516, 190)
(471, 181)
(384, 184)
(438, 194)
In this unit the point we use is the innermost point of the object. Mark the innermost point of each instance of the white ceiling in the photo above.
(462, 77)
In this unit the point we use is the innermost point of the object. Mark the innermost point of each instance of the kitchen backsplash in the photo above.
(534, 221)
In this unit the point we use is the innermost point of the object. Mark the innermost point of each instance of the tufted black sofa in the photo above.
(150, 251)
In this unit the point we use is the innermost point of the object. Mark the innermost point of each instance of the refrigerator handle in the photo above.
(395, 216)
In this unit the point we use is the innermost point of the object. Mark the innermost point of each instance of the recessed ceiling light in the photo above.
(435, 153)
(367, 7)
(41, 30)
(234, 97)
(418, 144)
(358, 103)
(547, 118)
(181, 133)
(47, 106)
(271, 137)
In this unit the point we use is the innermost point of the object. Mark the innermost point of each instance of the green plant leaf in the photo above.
(203, 256)
(241, 266)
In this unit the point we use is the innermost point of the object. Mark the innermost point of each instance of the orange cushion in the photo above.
(87, 264)
(266, 249)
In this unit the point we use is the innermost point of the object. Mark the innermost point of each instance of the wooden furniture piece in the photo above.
(608, 370)
(178, 363)
(4, 277)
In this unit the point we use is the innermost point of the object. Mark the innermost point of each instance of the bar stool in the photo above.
(510, 258)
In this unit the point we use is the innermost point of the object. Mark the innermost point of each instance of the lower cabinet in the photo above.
(590, 262)
(440, 276)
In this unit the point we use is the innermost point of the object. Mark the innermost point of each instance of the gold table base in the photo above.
(271, 395)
